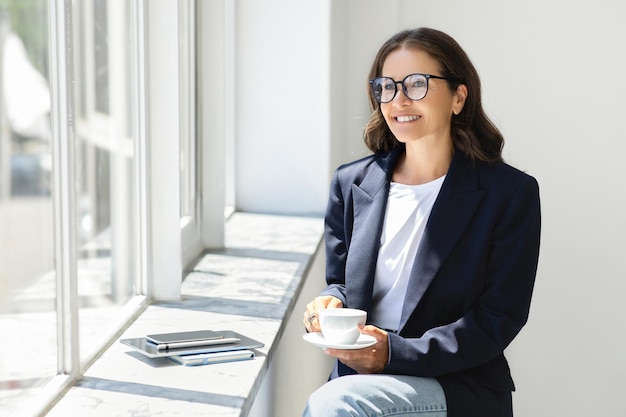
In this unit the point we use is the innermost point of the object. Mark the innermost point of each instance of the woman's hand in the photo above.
(311, 323)
(370, 360)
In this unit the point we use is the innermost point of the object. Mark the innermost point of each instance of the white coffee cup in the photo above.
(340, 325)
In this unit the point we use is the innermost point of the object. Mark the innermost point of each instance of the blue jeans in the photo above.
(378, 396)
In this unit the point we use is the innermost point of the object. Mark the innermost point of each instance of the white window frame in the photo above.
(190, 219)
(156, 177)
(216, 116)
(163, 110)
(175, 99)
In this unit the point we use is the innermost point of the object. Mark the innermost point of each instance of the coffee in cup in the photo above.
(341, 325)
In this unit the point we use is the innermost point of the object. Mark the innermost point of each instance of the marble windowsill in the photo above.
(249, 287)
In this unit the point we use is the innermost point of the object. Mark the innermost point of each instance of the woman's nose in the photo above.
(401, 99)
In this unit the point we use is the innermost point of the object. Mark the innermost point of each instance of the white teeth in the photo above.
(406, 118)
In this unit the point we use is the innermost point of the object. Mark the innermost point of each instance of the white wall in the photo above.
(282, 106)
(297, 368)
(552, 73)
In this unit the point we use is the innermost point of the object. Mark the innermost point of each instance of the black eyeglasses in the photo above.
(415, 87)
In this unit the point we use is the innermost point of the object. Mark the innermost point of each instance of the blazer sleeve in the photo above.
(336, 241)
(502, 308)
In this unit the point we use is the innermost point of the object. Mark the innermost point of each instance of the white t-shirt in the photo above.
(408, 208)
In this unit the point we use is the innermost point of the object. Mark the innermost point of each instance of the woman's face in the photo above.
(427, 119)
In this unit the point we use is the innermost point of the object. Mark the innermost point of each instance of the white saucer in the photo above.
(318, 340)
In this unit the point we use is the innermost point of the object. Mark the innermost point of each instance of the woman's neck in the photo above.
(422, 164)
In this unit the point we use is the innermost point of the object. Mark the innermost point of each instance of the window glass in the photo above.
(105, 192)
(28, 318)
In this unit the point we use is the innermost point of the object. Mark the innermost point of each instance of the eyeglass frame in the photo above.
(427, 76)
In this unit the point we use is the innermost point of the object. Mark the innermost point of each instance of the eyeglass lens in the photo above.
(415, 87)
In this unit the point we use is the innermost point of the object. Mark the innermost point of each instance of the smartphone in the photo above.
(188, 339)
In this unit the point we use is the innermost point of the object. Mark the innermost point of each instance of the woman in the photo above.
(435, 237)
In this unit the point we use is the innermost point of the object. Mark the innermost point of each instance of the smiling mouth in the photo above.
(402, 119)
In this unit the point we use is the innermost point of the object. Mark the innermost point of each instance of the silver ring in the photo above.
(310, 318)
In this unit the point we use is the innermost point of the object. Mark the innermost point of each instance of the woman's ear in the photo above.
(459, 99)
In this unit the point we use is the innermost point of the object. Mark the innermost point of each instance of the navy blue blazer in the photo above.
(470, 288)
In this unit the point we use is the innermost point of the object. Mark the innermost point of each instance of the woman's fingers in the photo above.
(310, 320)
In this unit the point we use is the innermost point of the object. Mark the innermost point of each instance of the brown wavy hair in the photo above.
(472, 131)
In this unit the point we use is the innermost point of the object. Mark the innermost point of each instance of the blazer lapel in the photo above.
(370, 202)
(455, 205)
